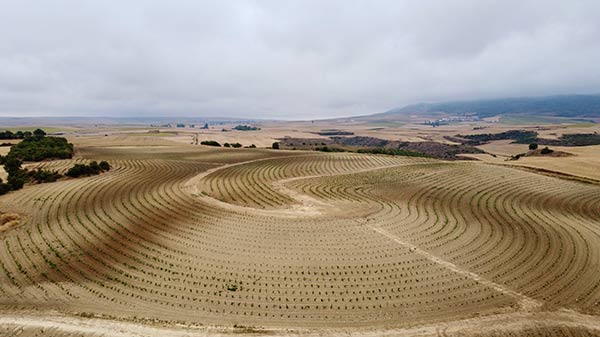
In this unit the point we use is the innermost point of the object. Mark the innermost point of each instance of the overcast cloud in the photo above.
(287, 59)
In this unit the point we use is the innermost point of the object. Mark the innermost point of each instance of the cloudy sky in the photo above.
(287, 59)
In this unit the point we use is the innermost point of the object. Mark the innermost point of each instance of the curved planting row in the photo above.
(135, 242)
(251, 184)
(536, 234)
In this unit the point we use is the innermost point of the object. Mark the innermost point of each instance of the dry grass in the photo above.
(585, 162)
(8, 220)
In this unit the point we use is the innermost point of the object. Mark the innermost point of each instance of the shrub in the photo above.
(533, 146)
(17, 179)
(4, 188)
(236, 145)
(8, 135)
(210, 143)
(43, 176)
(517, 156)
(76, 171)
(546, 150)
(275, 146)
(17, 135)
(104, 165)
(329, 149)
(39, 133)
(11, 165)
(93, 168)
(227, 145)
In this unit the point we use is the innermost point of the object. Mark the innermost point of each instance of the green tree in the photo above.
(533, 146)
(94, 167)
(39, 133)
(4, 188)
(12, 165)
(275, 146)
(17, 179)
(104, 165)
(76, 171)
(210, 143)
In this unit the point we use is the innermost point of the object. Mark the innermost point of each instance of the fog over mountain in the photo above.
(287, 59)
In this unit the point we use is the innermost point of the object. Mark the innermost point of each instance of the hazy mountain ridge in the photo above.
(79, 120)
(587, 106)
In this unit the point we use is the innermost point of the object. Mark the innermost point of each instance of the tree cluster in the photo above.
(246, 128)
(34, 147)
(329, 149)
(17, 135)
(519, 136)
(43, 176)
(393, 152)
(17, 177)
(38, 147)
(574, 139)
(210, 143)
(92, 168)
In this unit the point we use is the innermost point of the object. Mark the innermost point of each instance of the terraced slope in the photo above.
(215, 237)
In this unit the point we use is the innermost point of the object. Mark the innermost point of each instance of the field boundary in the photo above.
(551, 173)
(526, 303)
(507, 322)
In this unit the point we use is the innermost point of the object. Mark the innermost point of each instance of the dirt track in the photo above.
(516, 323)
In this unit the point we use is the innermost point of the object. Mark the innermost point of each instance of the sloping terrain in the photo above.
(300, 240)
(579, 106)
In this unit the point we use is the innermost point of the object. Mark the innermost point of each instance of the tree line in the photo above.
(35, 146)
(217, 144)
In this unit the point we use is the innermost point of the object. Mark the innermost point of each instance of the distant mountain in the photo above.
(580, 106)
(47, 121)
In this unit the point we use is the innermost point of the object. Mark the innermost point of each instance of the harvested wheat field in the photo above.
(183, 240)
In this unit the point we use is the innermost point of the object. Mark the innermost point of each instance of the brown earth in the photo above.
(185, 240)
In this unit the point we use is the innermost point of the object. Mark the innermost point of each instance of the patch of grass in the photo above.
(48, 129)
(528, 119)
(152, 134)
(581, 125)
(386, 123)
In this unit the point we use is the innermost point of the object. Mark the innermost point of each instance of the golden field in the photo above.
(187, 240)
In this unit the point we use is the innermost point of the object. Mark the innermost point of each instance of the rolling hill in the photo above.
(565, 106)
